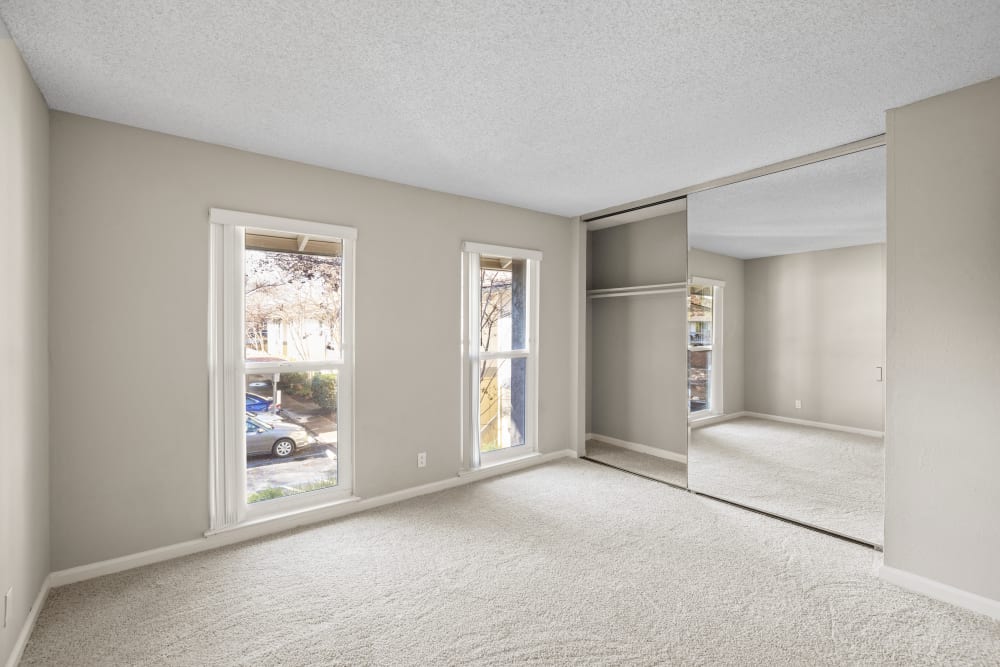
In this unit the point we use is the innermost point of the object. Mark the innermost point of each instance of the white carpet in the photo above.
(568, 563)
(825, 478)
(664, 470)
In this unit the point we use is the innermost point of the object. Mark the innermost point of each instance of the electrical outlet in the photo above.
(7, 600)
(798, 404)
(422, 460)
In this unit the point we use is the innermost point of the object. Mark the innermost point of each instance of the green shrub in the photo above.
(324, 390)
(266, 494)
(296, 384)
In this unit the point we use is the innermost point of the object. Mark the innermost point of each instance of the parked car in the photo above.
(280, 439)
(257, 403)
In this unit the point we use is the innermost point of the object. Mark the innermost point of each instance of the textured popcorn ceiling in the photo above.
(831, 204)
(565, 106)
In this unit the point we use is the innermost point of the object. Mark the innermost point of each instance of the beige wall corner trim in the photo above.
(605, 214)
(636, 447)
(578, 342)
(938, 591)
(29, 623)
(288, 522)
(806, 422)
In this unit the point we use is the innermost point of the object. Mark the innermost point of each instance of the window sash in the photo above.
(472, 457)
(714, 397)
(228, 370)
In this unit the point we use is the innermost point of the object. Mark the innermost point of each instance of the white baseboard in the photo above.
(806, 422)
(29, 623)
(636, 447)
(267, 527)
(715, 419)
(939, 591)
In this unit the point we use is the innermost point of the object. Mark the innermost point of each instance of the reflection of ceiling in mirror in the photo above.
(831, 204)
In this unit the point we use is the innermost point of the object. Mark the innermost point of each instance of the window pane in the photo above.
(503, 304)
(699, 379)
(502, 385)
(293, 300)
(700, 316)
(700, 343)
(291, 433)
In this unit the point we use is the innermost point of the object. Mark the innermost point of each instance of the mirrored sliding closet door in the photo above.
(786, 343)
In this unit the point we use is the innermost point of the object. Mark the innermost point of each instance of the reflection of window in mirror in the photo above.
(704, 347)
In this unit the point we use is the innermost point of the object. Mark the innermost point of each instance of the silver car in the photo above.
(280, 439)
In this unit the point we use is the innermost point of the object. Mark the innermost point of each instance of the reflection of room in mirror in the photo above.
(705, 347)
(797, 431)
(821, 477)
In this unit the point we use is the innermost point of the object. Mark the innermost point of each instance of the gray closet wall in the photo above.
(637, 350)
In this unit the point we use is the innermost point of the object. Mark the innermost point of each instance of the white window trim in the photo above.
(227, 463)
(718, 354)
(707, 282)
(502, 251)
(221, 216)
(472, 459)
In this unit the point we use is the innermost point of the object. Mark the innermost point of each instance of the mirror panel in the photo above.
(786, 331)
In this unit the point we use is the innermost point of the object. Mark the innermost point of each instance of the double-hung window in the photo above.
(705, 347)
(500, 311)
(281, 365)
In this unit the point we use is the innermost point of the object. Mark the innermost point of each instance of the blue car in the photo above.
(257, 403)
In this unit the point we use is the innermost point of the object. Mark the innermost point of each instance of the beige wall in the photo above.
(24, 447)
(704, 264)
(943, 422)
(637, 380)
(814, 332)
(637, 365)
(638, 253)
(130, 316)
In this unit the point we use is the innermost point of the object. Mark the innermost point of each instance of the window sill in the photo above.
(291, 514)
(698, 417)
(713, 418)
(513, 463)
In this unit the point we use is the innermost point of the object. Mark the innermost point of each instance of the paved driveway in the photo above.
(315, 465)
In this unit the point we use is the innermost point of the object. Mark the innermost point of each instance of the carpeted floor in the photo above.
(665, 470)
(825, 478)
(567, 563)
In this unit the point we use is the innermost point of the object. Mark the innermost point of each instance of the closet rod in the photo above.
(637, 288)
(659, 288)
(670, 290)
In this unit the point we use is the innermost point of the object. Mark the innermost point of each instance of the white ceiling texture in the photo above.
(562, 106)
